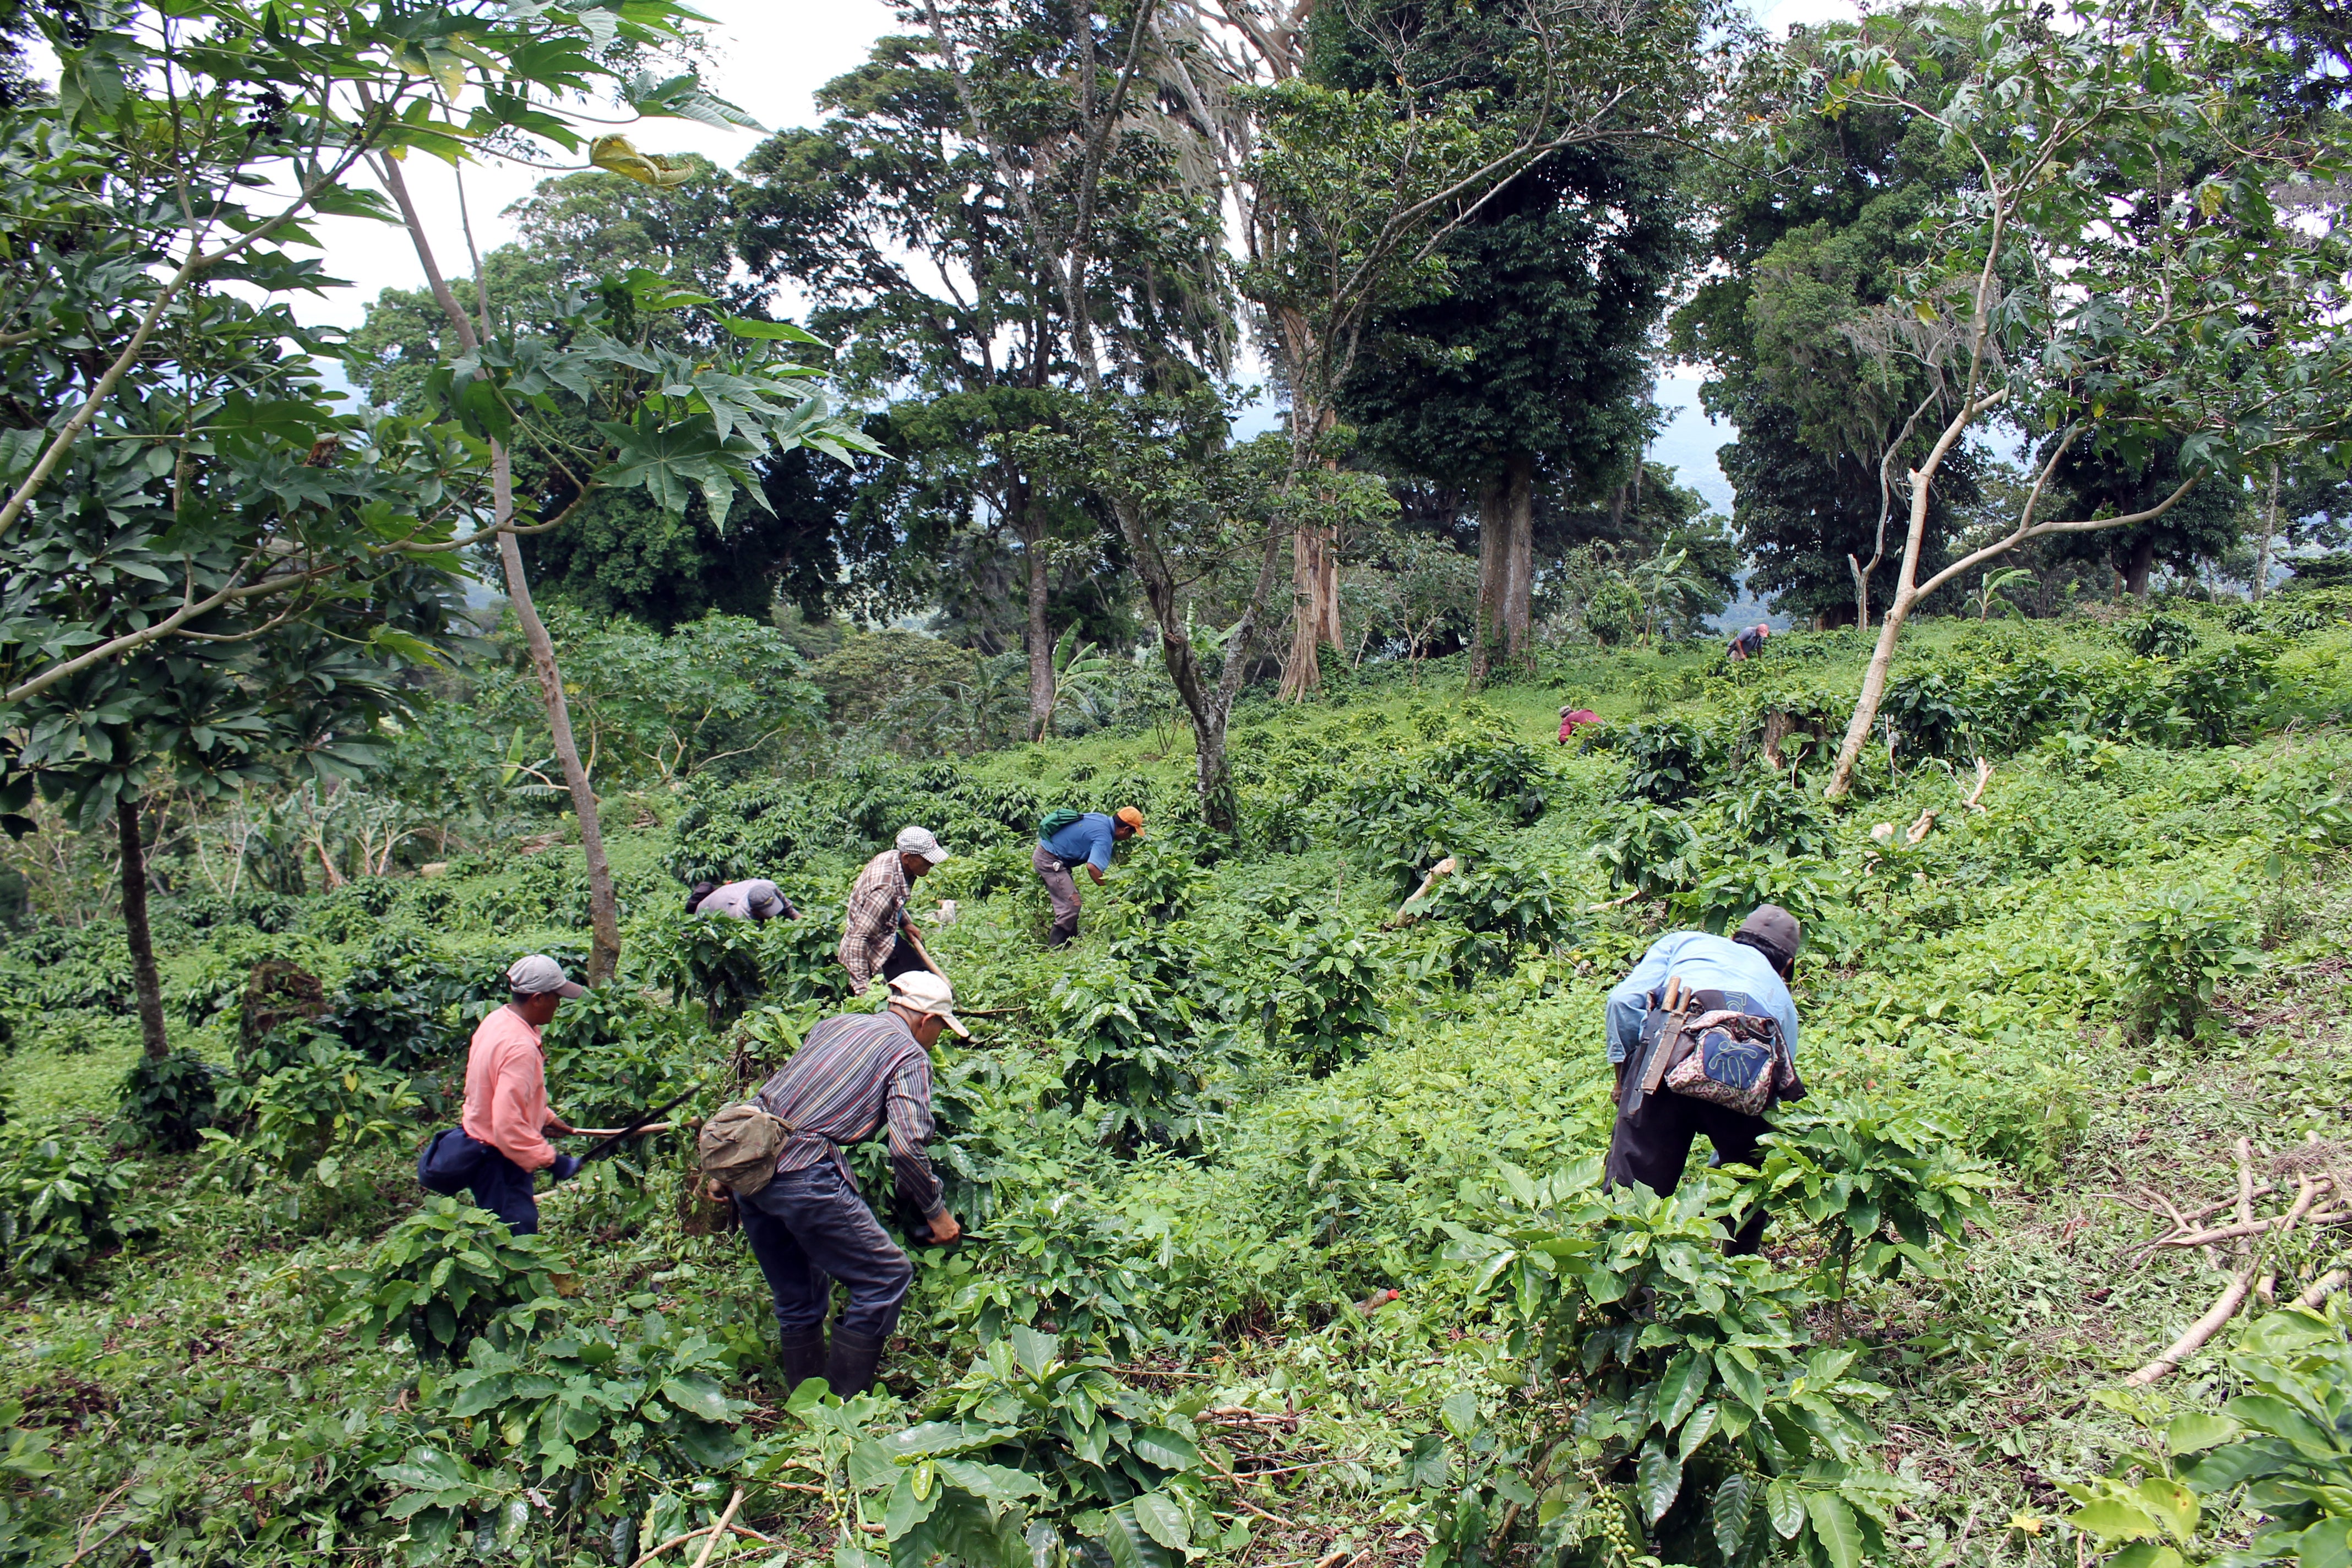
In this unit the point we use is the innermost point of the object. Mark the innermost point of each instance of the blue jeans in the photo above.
(454, 1161)
(808, 1229)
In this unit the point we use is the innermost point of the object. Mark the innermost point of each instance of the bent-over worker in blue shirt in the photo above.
(1085, 839)
(1751, 970)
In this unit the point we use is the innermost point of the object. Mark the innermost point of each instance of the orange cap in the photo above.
(1132, 817)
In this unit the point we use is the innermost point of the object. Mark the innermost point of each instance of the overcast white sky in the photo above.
(770, 59)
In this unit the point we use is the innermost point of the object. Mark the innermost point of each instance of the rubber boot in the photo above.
(802, 1354)
(850, 1368)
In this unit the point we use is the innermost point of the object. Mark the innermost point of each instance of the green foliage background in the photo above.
(1199, 1150)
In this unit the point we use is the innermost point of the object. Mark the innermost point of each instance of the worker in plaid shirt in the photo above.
(877, 911)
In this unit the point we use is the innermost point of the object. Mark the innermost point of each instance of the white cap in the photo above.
(539, 974)
(920, 991)
(922, 841)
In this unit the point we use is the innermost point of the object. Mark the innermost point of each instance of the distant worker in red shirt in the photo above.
(1571, 719)
(1747, 644)
(502, 1137)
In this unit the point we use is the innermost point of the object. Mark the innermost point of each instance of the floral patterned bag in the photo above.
(1733, 1060)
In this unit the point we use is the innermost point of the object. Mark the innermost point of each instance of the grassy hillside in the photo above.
(1303, 1194)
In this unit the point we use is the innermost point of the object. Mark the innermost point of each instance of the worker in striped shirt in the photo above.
(856, 1075)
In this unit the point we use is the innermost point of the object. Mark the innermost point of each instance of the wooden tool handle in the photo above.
(925, 954)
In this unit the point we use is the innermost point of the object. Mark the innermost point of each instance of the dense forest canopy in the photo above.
(1246, 418)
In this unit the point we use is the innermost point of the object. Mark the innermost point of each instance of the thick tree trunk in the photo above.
(1520, 562)
(1313, 609)
(1505, 569)
(143, 978)
(1314, 582)
(1038, 638)
(1494, 544)
(603, 909)
(2135, 570)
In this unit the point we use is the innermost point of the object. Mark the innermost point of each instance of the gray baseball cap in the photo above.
(539, 974)
(922, 841)
(1777, 929)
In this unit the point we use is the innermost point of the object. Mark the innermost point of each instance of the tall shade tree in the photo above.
(1346, 186)
(1088, 119)
(2123, 271)
(681, 423)
(1522, 371)
(914, 218)
(2203, 526)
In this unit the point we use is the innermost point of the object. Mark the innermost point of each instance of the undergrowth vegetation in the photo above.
(1286, 1242)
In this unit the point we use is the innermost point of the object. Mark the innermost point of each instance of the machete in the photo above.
(617, 1138)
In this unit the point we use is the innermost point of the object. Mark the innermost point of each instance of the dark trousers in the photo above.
(503, 1187)
(808, 1229)
(455, 1162)
(903, 960)
(1650, 1147)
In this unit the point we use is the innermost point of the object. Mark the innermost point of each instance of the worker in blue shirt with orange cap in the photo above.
(1068, 839)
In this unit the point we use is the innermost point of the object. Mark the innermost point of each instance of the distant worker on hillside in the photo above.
(501, 1138)
(1069, 839)
(1746, 643)
(1703, 1035)
(1574, 719)
(757, 899)
(874, 936)
(780, 1158)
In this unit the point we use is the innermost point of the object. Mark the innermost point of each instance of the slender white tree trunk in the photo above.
(1890, 631)
(604, 909)
(2270, 532)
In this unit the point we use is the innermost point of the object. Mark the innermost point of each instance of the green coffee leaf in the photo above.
(1168, 1450)
(1786, 1506)
(1163, 1521)
(1835, 1527)
(2199, 1430)
(1129, 1545)
(1657, 1481)
(994, 1482)
(1734, 1501)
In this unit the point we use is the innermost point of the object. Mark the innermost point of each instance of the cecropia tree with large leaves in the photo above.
(672, 422)
(2146, 256)
(208, 567)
